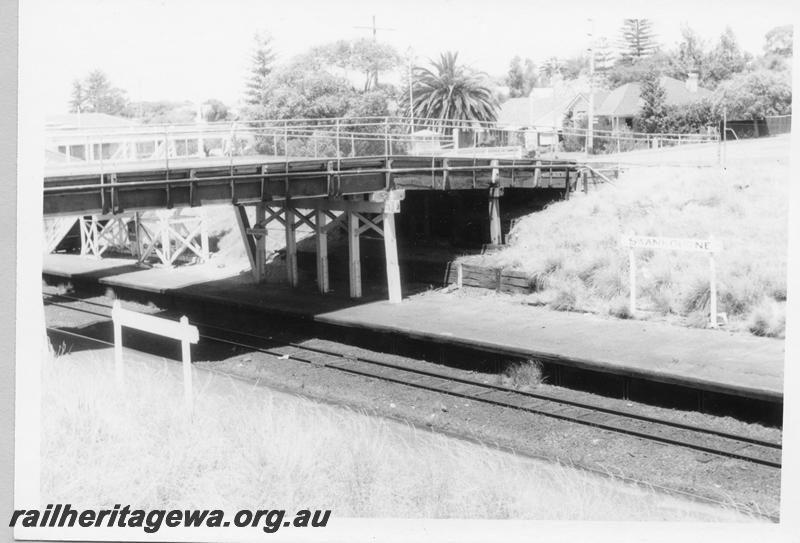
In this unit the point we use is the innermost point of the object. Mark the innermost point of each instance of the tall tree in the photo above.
(552, 67)
(575, 66)
(638, 40)
(96, 94)
(653, 115)
(603, 57)
(448, 90)
(364, 55)
(726, 59)
(779, 41)
(302, 91)
(521, 78)
(691, 55)
(262, 62)
(622, 73)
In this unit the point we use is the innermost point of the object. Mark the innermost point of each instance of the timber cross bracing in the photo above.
(322, 215)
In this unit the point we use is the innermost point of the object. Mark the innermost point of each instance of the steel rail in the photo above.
(523, 403)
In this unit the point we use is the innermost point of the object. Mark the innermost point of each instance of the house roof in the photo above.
(515, 111)
(581, 100)
(87, 120)
(625, 101)
(543, 107)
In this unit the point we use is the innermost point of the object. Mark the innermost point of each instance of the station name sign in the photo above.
(674, 244)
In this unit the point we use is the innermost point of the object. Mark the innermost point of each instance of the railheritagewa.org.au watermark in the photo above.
(151, 521)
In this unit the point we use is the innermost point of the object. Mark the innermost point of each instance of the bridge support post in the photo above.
(260, 258)
(495, 192)
(240, 212)
(323, 279)
(354, 253)
(291, 245)
(392, 264)
(495, 230)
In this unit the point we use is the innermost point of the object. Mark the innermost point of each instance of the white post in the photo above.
(354, 254)
(632, 275)
(118, 369)
(459, 275)
(713, 294)
(392, 264)
(186, 359)
(323, 281)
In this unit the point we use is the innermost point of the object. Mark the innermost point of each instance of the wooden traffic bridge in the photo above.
(354, 194)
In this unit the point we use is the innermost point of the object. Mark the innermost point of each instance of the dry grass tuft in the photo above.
(522, 375)
(573, 249)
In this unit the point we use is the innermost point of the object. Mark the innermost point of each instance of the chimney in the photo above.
(691, 82)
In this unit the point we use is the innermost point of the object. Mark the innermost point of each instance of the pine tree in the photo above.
(262, 61)
(77, 102)
(638, 40)
(95, 94)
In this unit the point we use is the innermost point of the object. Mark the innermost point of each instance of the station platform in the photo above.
(710, 360)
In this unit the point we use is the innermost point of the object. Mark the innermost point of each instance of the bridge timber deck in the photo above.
(94, 189)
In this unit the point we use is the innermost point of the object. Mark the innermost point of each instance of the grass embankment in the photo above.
(573, 255)
(248, 447)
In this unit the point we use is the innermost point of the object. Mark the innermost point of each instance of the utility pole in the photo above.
(410, 54)
(590, 112)
(374, 28)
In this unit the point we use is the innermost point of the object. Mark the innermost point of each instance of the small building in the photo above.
(544, 111)
(624, 103)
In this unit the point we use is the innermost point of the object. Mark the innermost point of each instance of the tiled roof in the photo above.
(625, 101)
(515, 111)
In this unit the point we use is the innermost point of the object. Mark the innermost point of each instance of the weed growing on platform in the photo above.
(572, 250)
(245, 446)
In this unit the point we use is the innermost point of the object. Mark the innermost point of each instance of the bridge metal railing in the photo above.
(333, 138)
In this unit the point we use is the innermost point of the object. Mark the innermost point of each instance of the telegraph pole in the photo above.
(374, 30)
(590, 112)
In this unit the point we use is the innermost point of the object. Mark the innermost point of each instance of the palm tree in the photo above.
(452, 92)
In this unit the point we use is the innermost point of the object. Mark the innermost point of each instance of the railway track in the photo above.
(628, 422)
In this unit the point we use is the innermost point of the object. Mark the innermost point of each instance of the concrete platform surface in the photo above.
(712, 360)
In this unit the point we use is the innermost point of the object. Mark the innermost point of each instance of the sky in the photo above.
(198, 49)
